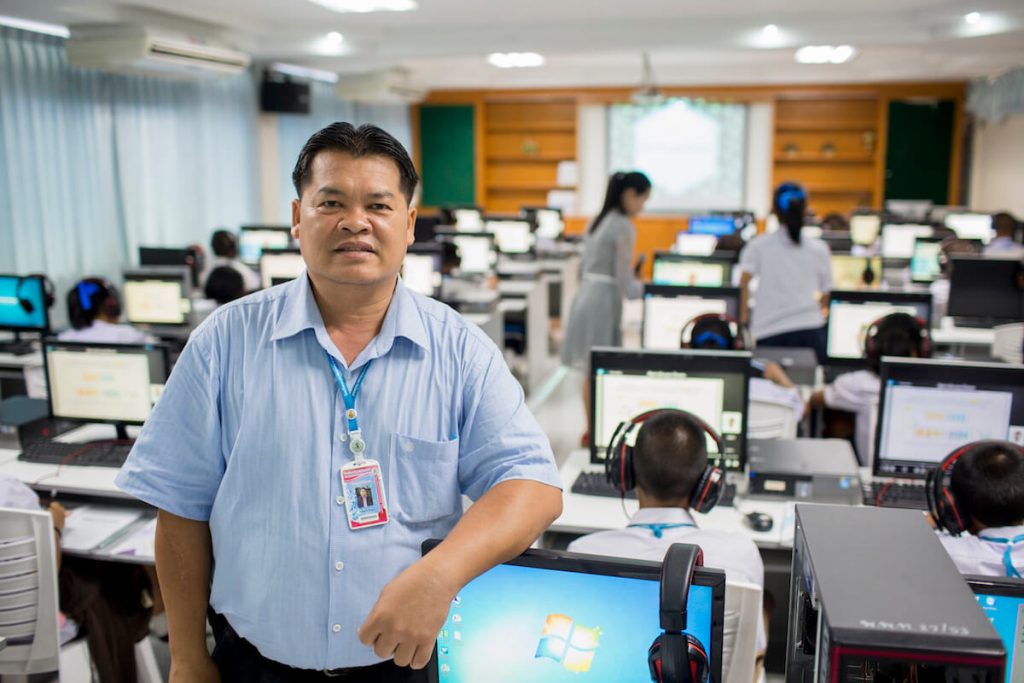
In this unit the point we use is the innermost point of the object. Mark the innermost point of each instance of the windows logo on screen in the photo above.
(571, 645)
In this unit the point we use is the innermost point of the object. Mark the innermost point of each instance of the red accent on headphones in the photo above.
(924, 343)
(736, 330)
(619, 461)
(942, 503)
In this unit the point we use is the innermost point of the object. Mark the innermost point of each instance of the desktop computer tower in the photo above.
(876, 599)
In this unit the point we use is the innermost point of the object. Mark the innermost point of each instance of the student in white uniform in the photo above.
(225, 253)
(897, 334)
(1003, 245)
(94, 310)
(986, 486)
(668, 462)
(794, 276)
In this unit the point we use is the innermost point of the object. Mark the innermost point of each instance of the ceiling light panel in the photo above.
(825, 54)
(515, 60)
(364, 6)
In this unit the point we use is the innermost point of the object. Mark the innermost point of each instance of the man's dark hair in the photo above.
(224, 243)
(367, 140)
(1004, 224)
(897, 334)
(988, 483)
(224, 284)
(670, 456)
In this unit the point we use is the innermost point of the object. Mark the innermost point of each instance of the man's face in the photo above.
(353, 223)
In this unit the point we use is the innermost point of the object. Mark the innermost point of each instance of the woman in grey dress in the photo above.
(608, 275)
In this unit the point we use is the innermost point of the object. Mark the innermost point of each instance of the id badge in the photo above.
(363, 485)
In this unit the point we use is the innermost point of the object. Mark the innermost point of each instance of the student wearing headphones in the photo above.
(1004, 244)
(794, 274)
(976, 497)
(225, 253)
(94, 310)
(897, 334)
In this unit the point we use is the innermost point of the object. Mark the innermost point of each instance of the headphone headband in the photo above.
(736, 330)
(942, 503)
(675, 656)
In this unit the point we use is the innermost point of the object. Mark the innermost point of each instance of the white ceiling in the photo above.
(444, 43)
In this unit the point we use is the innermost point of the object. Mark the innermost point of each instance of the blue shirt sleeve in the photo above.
(177, 463)
(499, 437)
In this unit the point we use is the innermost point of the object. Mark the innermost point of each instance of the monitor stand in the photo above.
(18, 347)
(122, 431)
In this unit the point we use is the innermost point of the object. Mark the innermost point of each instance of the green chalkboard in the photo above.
(920, 151)
(447, 154)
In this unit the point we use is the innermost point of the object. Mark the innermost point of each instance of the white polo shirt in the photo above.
(858, 392)
(972, 554)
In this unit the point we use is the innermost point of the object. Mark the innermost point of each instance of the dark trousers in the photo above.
(805, 339)
(240, 662)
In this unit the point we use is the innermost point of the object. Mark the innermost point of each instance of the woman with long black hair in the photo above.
(794, 275)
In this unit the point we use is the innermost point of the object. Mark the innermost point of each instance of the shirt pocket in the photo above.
(425, 479)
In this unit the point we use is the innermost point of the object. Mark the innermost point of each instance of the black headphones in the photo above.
(737, 331)
(915, 326)
(619, 469)
(674, 656)
(942, 503)
(27, 304)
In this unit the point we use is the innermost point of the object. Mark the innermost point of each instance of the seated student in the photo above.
(224, 284)
(1003, 244)
(456, 285)
(987, 484)
(835, 221)
(668, 461)
(769, 381)
(94, 310)
(225, 253)
(897, 334)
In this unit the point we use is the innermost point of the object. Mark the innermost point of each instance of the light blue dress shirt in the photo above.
(246, 435)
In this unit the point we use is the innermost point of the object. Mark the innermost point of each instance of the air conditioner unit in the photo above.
(138, 49)
(382, 87)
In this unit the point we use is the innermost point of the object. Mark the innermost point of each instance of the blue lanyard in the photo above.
(349, 397)
(659, 529)
(1011, 571)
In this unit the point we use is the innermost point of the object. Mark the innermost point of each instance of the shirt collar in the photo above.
(1002, 531)
(662, 516)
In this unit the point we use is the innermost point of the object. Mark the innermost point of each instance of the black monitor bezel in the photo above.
(164, 350)
(580, 563)
(731, 295)
(956, 293)
(42, 303)
(668, 361)
(165, 273)
(866, 296)
(715, 259)
(948, 369)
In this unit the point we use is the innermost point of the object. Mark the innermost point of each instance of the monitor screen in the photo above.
(691, 271)
(104, 382)
(468, 220)
(898, 240)
(850, 314)
(928, 408)
(254, 239)
(853, 272)
(970, 226)
(511, 237)
(712, 225)
(692, 244)
(476, 253)
(280, 264)
(547, 222)
(709, 384)
(924, 263)
(421, 272)
(157, 296)
(23, 304)
(667, 310)
(550, 617)
(864, 229)
(986, 287)
(1002, 601)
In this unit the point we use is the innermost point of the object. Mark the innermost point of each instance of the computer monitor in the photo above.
(1002, 601)
(692, 271)
(712, 225)
(255, 238)
(851, 313)
(970, 226)
(667, 309)
(692, 244)
(928, 408)
(23, 304)
(157, 296)
(278, 265)
(468, 219)
(864, 229)
(421, 268)
(477, 252)
(986, 288)
(912, 209)
(854, 272)
(109, 383)
(549, 617)
(837, 240)
(547, 222)
(925, 265)
(511, 236)
(898, 239)
(709, 384)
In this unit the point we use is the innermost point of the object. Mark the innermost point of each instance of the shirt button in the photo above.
(340, 500)
(336, 628)
(339, 565)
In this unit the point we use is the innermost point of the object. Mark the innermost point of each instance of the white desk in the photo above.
(27, 368)
(963, 336)
(531, 298)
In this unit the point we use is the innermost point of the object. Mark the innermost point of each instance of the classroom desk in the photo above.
(14, 372)
(965, 342)
(528, 299)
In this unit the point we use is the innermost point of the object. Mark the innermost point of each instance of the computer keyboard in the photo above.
(893, 495)
(596, 484)
(95, 453)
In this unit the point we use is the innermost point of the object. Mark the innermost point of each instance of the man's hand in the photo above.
(408, 615)
(774, 373)
(198, 670)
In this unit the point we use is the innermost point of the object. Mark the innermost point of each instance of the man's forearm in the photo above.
(183, 553)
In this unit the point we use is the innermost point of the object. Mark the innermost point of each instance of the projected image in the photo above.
(692, 151)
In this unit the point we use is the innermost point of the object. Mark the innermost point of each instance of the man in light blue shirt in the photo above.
(244, 451)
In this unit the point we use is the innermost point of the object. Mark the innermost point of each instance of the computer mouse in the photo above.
(759, 521)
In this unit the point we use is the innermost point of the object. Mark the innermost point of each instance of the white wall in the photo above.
(997, 167)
